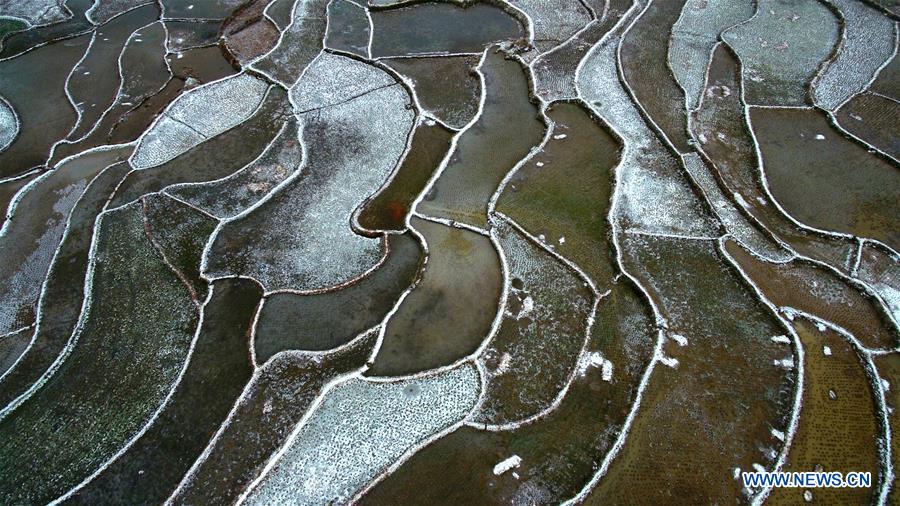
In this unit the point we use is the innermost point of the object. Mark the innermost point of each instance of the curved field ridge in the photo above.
(448, 252)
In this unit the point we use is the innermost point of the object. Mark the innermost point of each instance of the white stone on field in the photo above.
(507, 464)
(669, 361)
(787, 363)
(680, 339)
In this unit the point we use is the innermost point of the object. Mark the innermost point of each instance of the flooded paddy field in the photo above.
(452, 252)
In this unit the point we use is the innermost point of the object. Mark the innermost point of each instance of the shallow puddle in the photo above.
(720, 126)
(348, 28)
(36, 226)
(45, 114)
(805, 161)
(563, 193)
(450, 311)
(448, 88)
(389, 209)
(290, 321)
(436, 28)
(488, 149)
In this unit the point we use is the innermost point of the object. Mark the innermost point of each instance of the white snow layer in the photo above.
(361, 428)
(201, 113)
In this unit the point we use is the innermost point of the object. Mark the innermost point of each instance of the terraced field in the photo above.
(448, 251)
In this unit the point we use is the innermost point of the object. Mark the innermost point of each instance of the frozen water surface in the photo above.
(217, 370)
(64, 292)
(781, 48)
(447, 87)
(702, 387)
(300, 42)
(263, 418)
(348, 28)
(228, 197)
(215, 158)
(45, 115)
(450, 311)
(871, 117)
(720, 127)
(488, 149)
(835, 434)
(37, 224)
(35, 12)
(440, 28)
(553, 21)
(734, 221)
(554, 71)
(818, 291)
(94, 82)
(292, 321)
(104, 10)
(693, 37)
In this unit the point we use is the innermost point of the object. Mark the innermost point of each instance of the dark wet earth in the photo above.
(448, 251)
